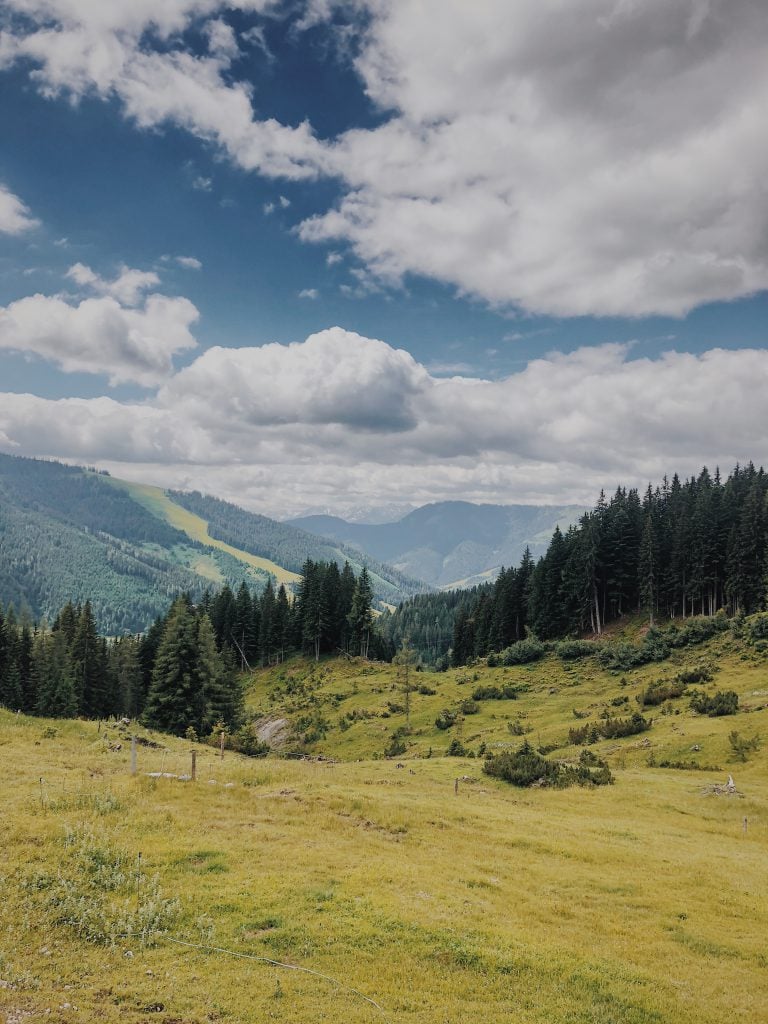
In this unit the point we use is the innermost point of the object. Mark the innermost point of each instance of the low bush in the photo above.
(724, 702)
(506, 692)
(609, 728)
(572, 650)
(741, 746)
(526, 767)
(523, 652)
(469, 707)
(661, 691)
(456, 749)
(93, 893)
(246, 741)
(446, 719)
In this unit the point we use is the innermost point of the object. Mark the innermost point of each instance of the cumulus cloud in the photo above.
(569, 159)
(604, 157)
(341, 420)
(15, 217)
(103, 47)
(99, 335)
(309, 293)
(128, 287)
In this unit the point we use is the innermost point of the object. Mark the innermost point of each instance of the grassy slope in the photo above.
(640, 903)
(157, 501)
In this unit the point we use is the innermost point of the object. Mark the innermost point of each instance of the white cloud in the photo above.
(222, 41)
(189, 262)
(15, 217)
(592, 158)
(202, 184)
(100, 335)
(103, 47)
(309, 293)
(341, 420)
(128, 287)
(604, 157)
(268, 208)
(284, 203)
(332, 258)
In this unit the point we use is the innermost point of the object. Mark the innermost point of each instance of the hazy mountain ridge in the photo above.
(290, 545)
(451, 541)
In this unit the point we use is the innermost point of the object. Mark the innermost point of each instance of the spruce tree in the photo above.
(361, 614)
(177, 698)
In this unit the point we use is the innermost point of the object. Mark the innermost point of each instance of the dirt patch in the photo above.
(272, 730)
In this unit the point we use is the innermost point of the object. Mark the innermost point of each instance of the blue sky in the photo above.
(513, 216)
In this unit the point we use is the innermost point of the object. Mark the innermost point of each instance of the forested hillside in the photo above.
(451, 543)
(67, 533)
(290, 546)
(684, 548)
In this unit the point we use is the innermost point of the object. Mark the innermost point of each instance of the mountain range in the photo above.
(450, 543)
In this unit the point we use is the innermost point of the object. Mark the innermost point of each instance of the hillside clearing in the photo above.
(158, 503)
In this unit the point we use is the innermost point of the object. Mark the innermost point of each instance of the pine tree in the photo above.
(648, 569)
(218, 680)
(361, 614)
(177, 698)
(88, 668)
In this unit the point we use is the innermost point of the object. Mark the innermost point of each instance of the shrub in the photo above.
(506, 692)
(758, 628)
(615, 728)
(446, 719)
(572, 650)
(696, 631)
(246, 741)
(469, 707)
(609, 729)
(741, 746)
(427, 691)
(396, 745)
(661, 691)
(697, 674)
(526, 767)
(521, 767)
(456, 749)
(724, 702)
(689, 766)
(523, 652)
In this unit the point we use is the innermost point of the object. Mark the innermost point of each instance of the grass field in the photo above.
(644, 902)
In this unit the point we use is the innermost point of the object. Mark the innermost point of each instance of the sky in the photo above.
(344, 255)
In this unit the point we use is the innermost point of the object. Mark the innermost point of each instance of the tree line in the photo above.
(331, 613)
(182, 673)
(684, 548)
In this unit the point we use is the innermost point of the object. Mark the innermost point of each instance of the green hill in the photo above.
(70, 533)
(356, 888)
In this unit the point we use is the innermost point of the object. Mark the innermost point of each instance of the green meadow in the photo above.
(352, 887)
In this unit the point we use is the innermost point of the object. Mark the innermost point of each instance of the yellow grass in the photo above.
(160, 504)
(640, 903)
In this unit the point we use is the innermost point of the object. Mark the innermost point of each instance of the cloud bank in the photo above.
(342, 420)
(599, 158)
